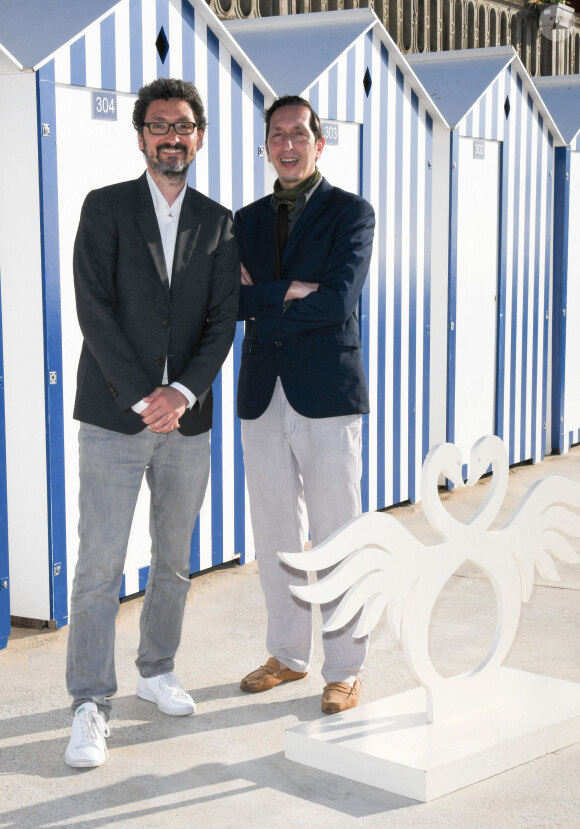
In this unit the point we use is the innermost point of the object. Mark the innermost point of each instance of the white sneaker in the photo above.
(167, 692)
(87, 746)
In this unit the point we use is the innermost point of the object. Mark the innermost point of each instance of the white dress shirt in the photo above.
(168, 220)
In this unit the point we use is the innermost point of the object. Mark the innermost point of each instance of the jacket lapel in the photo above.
(316, 203)
(149, 227)
(187, 233)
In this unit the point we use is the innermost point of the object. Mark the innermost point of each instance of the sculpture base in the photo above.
(389, 744)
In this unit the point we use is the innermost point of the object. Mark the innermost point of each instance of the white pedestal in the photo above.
(388, 743)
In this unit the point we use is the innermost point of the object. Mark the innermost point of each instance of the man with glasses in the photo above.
(305, 255)
(157, 280)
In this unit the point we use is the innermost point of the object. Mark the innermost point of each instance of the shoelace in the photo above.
(95, 725)
(169, 682)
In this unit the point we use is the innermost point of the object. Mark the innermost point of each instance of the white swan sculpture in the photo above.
(384, 565)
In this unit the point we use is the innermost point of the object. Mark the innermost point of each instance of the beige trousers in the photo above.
(303, 474)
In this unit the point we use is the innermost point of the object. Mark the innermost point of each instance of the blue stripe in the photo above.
(333, 92)
(413, 226)
(526, 194)
(561, 231)
(398, 262)
(469, 124)
(213, 113)
(482, 117)
(381, 247)
(108, 53)
(452, 297)
(78, 62)
(136, 44)
(351, 84)
(217, 475)
(143, 577)
(123, 590)
(258, 127)
(549, 191)
(4, 573)
(513, 277)
(162, 22)
(188, 41)
(427, 286)
(195, 549)
(365, 309)
(49, 235)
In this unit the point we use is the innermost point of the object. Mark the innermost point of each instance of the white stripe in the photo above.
(225, 143)
(175, 37)
(404, 294)
(62, 66)
(359, 73)
(374, 310)
(149, 29)
(205, 534)
(202, 159)
(228, 408)
(93, 56)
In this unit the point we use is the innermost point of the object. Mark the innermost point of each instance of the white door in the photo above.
(91, 153)
(477, 283)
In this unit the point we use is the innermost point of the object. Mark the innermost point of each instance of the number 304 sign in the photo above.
(105, 105)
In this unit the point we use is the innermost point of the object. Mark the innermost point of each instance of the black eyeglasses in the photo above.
(162, 127)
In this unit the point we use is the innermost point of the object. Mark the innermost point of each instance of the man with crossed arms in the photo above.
(305, 255)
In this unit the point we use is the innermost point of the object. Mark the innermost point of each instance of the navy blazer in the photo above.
(312, 344)
(132, 320)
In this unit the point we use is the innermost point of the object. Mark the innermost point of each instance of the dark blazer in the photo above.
(131, 320)
(313, 343)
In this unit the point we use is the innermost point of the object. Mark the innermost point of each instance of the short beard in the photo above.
(175, 174)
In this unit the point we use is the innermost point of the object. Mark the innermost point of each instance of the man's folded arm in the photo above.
(340, 283)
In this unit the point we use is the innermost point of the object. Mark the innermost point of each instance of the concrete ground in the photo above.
(225, 766)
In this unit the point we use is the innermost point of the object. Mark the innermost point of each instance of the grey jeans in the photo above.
(303, 474)
(111, 471)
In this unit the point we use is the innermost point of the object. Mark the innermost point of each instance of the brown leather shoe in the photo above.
(340, 696)
(268, 676)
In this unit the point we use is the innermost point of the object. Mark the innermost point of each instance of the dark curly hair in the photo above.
(164, 89)
(293, 100)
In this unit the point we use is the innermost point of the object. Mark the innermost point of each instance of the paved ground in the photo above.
(225, 766)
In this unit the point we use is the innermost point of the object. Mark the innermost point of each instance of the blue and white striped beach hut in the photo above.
(500, 194)
(69, 74)
(561, 95)
(380, 127)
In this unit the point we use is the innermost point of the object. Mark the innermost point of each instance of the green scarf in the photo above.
(290, 195)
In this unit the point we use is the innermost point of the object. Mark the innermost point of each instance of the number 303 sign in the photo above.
(105, 105)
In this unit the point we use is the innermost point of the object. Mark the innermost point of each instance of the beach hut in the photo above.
(500, 189)
(380, 130)
(561, 94)
(67, 88)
